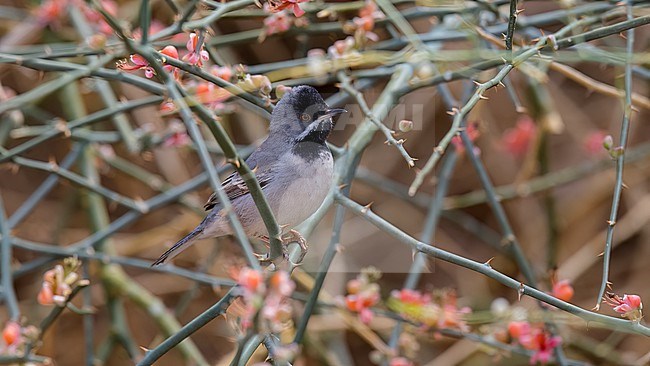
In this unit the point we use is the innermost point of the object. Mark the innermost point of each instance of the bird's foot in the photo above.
(295, 236)
(292, 237)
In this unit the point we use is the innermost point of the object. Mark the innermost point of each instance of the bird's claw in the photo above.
(293, 236)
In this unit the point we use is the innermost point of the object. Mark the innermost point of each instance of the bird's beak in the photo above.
(334, 112)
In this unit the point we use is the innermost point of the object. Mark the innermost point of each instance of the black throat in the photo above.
(310, 150)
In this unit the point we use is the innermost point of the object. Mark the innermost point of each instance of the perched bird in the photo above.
(293, 166)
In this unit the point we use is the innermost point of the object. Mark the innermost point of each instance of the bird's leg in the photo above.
(265, 258)
(295, 236)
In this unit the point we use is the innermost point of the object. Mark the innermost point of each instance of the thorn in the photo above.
(366, 208)
(611, 223)
(519, 11)
(343, 186)
(501, 84)
(144, 349)
(520, 291)
(625, 186)
(481, 96)
(142, 206)
(601, 254)
(596, 308)
(476, 83)
(53, 164)
(254, 170)
(488, 263)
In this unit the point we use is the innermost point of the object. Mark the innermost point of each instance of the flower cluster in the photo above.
(52, 12)
(265, 299)
(279, 22)
(363, 25)
(534, 338)
(438, 310)
(629, 306)
(15, 336)
(363, 293)
(59, 282)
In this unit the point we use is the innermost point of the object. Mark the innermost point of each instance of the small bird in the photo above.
(293, 165)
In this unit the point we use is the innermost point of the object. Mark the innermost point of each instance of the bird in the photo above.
(294, 167)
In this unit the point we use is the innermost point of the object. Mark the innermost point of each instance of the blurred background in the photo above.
(540, 139)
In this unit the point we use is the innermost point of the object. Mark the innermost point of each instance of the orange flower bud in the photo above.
(11, 333)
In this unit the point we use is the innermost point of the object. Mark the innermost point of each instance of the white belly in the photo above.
(294, 195)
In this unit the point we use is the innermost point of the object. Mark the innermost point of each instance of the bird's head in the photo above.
(303, 116)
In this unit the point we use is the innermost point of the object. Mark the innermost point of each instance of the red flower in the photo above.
(11, 333)
(472, 132)
(543, 345)
(563, 290)
(535, 339)
(518, 140)
(279, 5)
(517, 329)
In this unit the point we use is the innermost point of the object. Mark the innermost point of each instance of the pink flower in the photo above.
(412, 297)
(400, 361)
(196, 56)
(137, 63)
(251, 280)
(178, 139)
(222, 72)
(593, 143)
(279, 5)
(95, 18)
(543, 347)
(282, 284)
(518, 140)
(277, 23)
(50, 11)
(535, 339)
(630, 306)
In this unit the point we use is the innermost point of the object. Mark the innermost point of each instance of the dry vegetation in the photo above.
(507, 123)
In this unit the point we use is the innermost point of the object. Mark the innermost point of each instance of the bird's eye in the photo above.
(305, 117)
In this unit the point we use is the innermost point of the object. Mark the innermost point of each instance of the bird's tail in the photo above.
(178, 247)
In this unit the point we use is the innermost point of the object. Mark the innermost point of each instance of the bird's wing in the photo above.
(234, 186)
